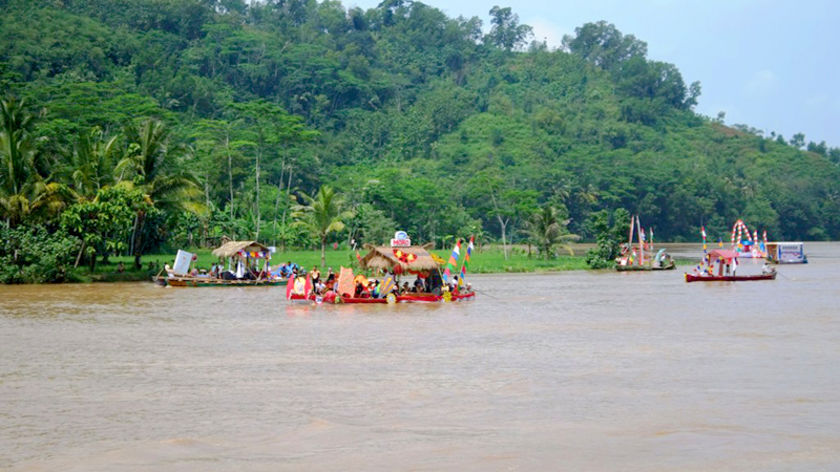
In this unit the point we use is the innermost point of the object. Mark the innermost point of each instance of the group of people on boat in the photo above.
(326, 286)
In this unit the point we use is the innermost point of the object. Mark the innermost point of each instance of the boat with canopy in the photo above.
(395, 263)
(243, 264)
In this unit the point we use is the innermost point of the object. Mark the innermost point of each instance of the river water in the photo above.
(566, 371)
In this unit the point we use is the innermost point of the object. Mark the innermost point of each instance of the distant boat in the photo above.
(720, 265)
(243, 260)
(786, 253)
(748, 245)
(640, 257)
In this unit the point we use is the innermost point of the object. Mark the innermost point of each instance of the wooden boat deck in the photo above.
(212, 282)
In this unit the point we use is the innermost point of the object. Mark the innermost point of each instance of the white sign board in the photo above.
(182, 263)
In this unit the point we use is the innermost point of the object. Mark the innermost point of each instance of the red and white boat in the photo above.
(720, 265)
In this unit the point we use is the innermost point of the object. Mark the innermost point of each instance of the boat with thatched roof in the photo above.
(398, 260)
(243, 260)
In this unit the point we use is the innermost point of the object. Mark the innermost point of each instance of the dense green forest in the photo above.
(135, 125)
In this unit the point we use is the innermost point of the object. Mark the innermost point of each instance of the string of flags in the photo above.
(255, 254)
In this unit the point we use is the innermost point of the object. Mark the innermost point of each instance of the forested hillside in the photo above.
(212, 118)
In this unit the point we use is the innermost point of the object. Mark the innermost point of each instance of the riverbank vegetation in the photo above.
(135, 128)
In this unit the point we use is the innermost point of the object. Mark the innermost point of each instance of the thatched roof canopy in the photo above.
(232, 248)
(383, 257)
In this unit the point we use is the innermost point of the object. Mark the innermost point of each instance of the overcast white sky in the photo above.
(772, 65)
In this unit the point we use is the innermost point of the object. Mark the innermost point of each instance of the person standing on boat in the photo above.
(316, 275)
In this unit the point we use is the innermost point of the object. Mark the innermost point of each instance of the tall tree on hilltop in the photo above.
(506, 31)
(604, 45)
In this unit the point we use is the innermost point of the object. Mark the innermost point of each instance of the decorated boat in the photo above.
(395, 263)
(721, 265)
(641, 256)
(247, 265)
(748, 245)
(786, 253)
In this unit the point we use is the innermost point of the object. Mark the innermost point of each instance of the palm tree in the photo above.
(23, 191)
(546, 230)
(90, 163)
(153, 165)
(323, 215)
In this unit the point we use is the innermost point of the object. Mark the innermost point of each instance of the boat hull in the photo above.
(728, 278)
(426, 298)
(643, 268)
(204, 282)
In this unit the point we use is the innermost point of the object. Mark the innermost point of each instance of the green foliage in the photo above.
(34, 254)
(610, 232)
(104, 224)
(506, 31)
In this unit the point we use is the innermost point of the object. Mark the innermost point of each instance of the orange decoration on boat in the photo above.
(405, 257)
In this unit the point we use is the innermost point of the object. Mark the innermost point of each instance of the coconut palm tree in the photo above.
(546, 230)
(153, 164)
(90, 163)
(322, 215)
(17, 155)
(24, 192)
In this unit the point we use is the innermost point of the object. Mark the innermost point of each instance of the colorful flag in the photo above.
(467, 258)
(703, 232)
(453, 261)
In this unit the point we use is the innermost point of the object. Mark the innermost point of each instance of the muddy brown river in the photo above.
(567, 371)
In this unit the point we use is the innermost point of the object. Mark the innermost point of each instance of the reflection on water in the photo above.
(590, 370)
